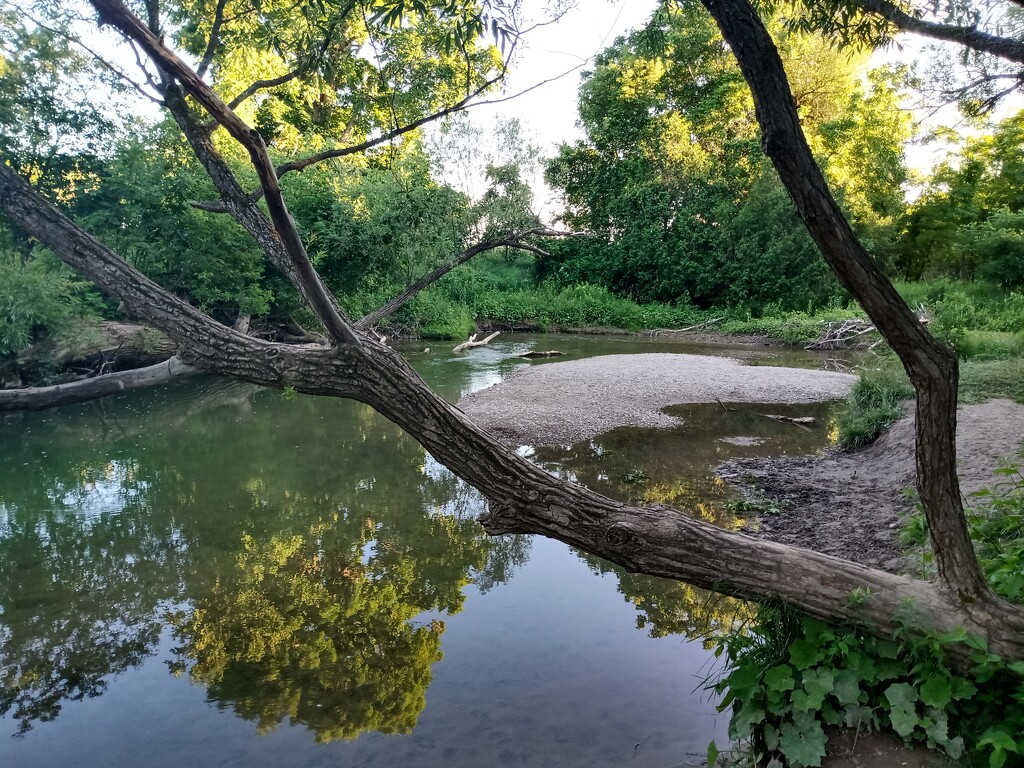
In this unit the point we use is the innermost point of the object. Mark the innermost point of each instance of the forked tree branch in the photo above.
(117, 14)
(512, 241)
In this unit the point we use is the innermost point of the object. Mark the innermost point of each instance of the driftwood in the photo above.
(545, 353)
(38, 398)
(798, 420)
(705, 324)
(836, 336)
(472, 342)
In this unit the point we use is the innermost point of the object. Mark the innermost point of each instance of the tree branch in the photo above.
(303, 68)
(214, 41)
(970, 37)
(117, 14)
(298, 165)
(512, 241)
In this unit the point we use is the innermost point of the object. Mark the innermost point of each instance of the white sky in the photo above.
(550, 109)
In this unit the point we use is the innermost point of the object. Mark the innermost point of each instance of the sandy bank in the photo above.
(852, 505)
(561, 403)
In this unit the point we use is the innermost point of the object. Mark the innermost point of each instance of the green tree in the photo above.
(668, 177)
(953, 229)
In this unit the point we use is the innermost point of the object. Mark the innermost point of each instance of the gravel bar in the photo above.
(564, 403)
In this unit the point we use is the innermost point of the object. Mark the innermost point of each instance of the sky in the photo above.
(546, 76)
(550, 51)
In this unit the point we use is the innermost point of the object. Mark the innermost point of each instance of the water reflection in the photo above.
(297, 575)
(307, 564)
(675, 467)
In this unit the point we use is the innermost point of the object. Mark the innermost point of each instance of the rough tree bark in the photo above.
(522, 497)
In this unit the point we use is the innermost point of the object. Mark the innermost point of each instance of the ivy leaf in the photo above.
(936, 692)
(802, 746)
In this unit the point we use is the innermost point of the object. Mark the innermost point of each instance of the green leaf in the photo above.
(804, 654)
(936, 692)
(780, 678)
(847, 687)
(903, 713)
(712, 754)
(818, 684)
(998, 737)
(802, 746)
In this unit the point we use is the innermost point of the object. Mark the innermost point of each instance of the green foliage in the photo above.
(48, 125)
(672, 185)
(995, 518)
(39, 298)
(875, 403)
(140, 206)
(994, 378)
(967, 223)
(354, 71)
(791, 676)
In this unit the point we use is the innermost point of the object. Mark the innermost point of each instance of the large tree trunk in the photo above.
(522, 497)
(931, 366)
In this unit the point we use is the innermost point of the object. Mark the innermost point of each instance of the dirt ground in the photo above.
(852, 504)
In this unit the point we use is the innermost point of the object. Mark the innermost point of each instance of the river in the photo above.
(216, 575)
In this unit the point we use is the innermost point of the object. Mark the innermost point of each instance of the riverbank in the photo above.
(852, 504)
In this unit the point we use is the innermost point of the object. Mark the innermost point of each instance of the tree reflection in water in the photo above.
(301, 587)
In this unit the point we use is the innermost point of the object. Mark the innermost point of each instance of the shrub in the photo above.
(875, 403)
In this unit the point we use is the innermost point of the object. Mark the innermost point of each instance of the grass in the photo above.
(875, 403)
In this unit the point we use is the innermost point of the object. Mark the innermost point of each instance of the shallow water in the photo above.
(216, 575)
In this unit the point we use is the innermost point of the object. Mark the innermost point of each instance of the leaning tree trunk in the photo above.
(931, 366)
(522, 497)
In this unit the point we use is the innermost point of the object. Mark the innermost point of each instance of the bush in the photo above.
(792, 675)
(875, 403)
(39, 298)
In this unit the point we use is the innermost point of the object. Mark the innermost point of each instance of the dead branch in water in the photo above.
(472, 342)
(705, 324)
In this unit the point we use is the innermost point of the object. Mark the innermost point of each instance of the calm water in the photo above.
(215, 575)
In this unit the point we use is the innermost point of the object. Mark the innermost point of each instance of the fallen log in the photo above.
(541, 353)
(38, 398)
(472, 342)
(109, 341)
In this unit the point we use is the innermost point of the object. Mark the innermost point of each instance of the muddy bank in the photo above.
(851, 504)
(562, 403)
